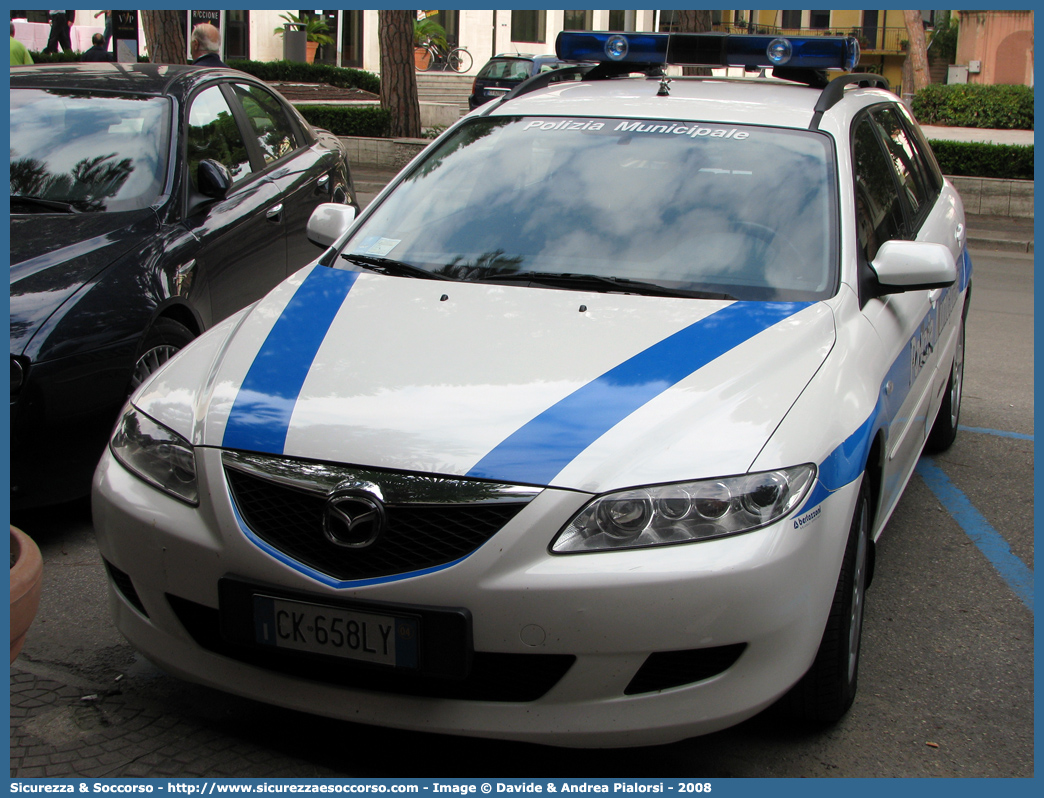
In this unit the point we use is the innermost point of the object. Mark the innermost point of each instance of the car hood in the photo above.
(53, 255)
(588, 391)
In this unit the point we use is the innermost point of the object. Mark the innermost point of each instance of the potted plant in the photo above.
(427, 32)
(26, 580)
(315, 29)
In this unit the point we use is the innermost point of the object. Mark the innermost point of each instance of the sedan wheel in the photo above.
(162, 342)
(944, 429)
(826, 692)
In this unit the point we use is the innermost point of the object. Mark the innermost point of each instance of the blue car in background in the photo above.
(505, 71)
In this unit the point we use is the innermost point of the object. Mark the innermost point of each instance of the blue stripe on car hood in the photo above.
(260, 415)
(540, 449)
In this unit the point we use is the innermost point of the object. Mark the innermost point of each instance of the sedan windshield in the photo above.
(87, 152)
(745, 212)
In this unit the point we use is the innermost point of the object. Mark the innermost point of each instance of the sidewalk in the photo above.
(1001, 233)
(973, 134)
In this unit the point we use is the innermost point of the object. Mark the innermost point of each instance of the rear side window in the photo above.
(879, 211)
(269, 122)
(905, 160)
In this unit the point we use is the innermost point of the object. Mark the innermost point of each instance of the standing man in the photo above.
(108, 26)
(19, 55)
(206, 46)
(98, 51)
(61, 22)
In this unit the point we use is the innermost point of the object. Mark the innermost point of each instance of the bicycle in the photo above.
(428, 56)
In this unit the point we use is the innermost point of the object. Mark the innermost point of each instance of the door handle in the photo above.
(275, 213)
(958, 233)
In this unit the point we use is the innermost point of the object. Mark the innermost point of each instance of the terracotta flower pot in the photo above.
(310, 48)
(26, 580)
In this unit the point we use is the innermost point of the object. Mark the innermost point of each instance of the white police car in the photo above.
(583, 433)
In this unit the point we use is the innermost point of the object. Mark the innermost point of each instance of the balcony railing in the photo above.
(871, 39)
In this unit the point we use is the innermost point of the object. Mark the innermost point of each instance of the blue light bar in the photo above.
(804, 52)
(626, 48)
(709, 49)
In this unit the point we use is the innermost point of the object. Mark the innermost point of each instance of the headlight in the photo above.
(685, 512)
(156, 454)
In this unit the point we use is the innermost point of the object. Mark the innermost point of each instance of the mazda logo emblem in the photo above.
(354, 516)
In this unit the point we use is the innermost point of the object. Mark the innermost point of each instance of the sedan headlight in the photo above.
(158, 455)
(685, 512)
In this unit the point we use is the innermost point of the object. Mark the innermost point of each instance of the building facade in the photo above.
(998, 45)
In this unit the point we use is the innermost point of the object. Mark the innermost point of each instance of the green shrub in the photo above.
(341, 120)
(55, 58)
(294, 72)
(973, 105)
(66, 56)
(975, 159)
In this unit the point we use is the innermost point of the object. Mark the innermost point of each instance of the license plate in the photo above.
(336, 632)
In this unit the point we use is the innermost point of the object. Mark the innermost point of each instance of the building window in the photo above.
(351, 39)
(819, 19)
(237, 34)
(669, 21)
(622, 20)
(578, 20)
(450, 22)
(791, 19)
(528, 26)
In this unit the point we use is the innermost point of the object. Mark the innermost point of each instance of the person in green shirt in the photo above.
(19, 55)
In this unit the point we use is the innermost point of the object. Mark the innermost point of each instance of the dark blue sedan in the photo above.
(148, 202)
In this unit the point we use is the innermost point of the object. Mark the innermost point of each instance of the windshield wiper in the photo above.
(40, 202)
(395, 268)
(597, 282)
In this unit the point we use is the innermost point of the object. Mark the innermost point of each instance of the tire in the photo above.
(827, 690)
(944, 429)
(165, 338)
(459, 60)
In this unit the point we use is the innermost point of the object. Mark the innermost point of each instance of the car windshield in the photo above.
(748, 212)
(91, 152)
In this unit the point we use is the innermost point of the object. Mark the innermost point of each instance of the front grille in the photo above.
(492, 677)
(416, 536)
(665, 669)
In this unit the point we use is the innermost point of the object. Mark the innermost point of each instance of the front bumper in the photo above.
(765, 593)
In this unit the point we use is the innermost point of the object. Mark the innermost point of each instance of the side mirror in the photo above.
(213, 179)
(913, 266)
(328, 222)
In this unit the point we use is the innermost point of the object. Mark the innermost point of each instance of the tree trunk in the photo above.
(165, 36)
(694, 22)
(917, 52)
(398, 79)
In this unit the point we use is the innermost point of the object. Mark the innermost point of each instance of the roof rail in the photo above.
(835, 90)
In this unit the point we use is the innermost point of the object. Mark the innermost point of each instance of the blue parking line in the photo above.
(999, 433)
(988, 540)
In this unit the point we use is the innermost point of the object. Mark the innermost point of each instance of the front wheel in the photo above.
(826, 692)
(165, 338)
(459, 60)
